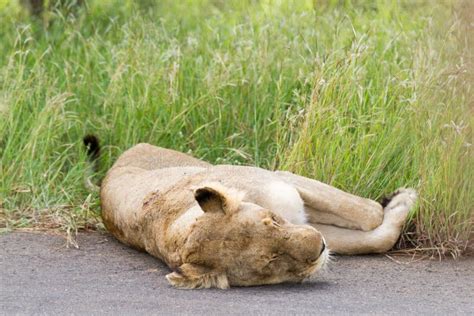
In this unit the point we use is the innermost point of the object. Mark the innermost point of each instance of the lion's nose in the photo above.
(305, 245)
(322, 248)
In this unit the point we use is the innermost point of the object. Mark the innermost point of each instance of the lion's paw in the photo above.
(399, 205)
(402, 196)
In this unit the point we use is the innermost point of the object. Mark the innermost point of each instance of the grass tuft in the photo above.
(367, 96)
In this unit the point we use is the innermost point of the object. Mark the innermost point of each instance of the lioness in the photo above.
(222, 225)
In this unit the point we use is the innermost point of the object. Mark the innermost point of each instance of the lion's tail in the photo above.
(91, 142)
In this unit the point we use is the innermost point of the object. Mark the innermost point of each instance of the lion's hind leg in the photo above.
(325, 204)
(382, 238)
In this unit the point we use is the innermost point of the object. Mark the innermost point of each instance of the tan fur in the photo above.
(221, 226)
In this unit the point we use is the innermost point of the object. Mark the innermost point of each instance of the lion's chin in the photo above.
(320, 265)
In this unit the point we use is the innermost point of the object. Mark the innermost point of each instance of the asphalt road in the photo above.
(39, 275)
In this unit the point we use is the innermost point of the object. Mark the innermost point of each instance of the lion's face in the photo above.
(242, 244)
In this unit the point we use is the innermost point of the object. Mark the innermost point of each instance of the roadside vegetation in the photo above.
(367, 96)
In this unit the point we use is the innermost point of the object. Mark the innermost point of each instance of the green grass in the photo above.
(367, 96)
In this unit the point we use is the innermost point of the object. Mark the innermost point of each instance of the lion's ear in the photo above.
(192, 276)
(216, 198)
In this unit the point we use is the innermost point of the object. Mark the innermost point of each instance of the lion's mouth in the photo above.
(320, 264)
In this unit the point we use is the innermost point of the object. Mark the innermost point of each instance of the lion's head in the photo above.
(239, 243)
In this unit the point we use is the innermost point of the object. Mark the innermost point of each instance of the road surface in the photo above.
(39, 275)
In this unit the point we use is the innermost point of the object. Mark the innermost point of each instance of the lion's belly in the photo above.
(283, 199)
(264, 188)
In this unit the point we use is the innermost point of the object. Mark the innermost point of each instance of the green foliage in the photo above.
(365, 95)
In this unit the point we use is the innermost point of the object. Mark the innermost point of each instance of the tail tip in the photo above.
(92, 144)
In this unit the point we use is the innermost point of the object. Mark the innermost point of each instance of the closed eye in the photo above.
(275, 221)
(274, 257)
(270, 260)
